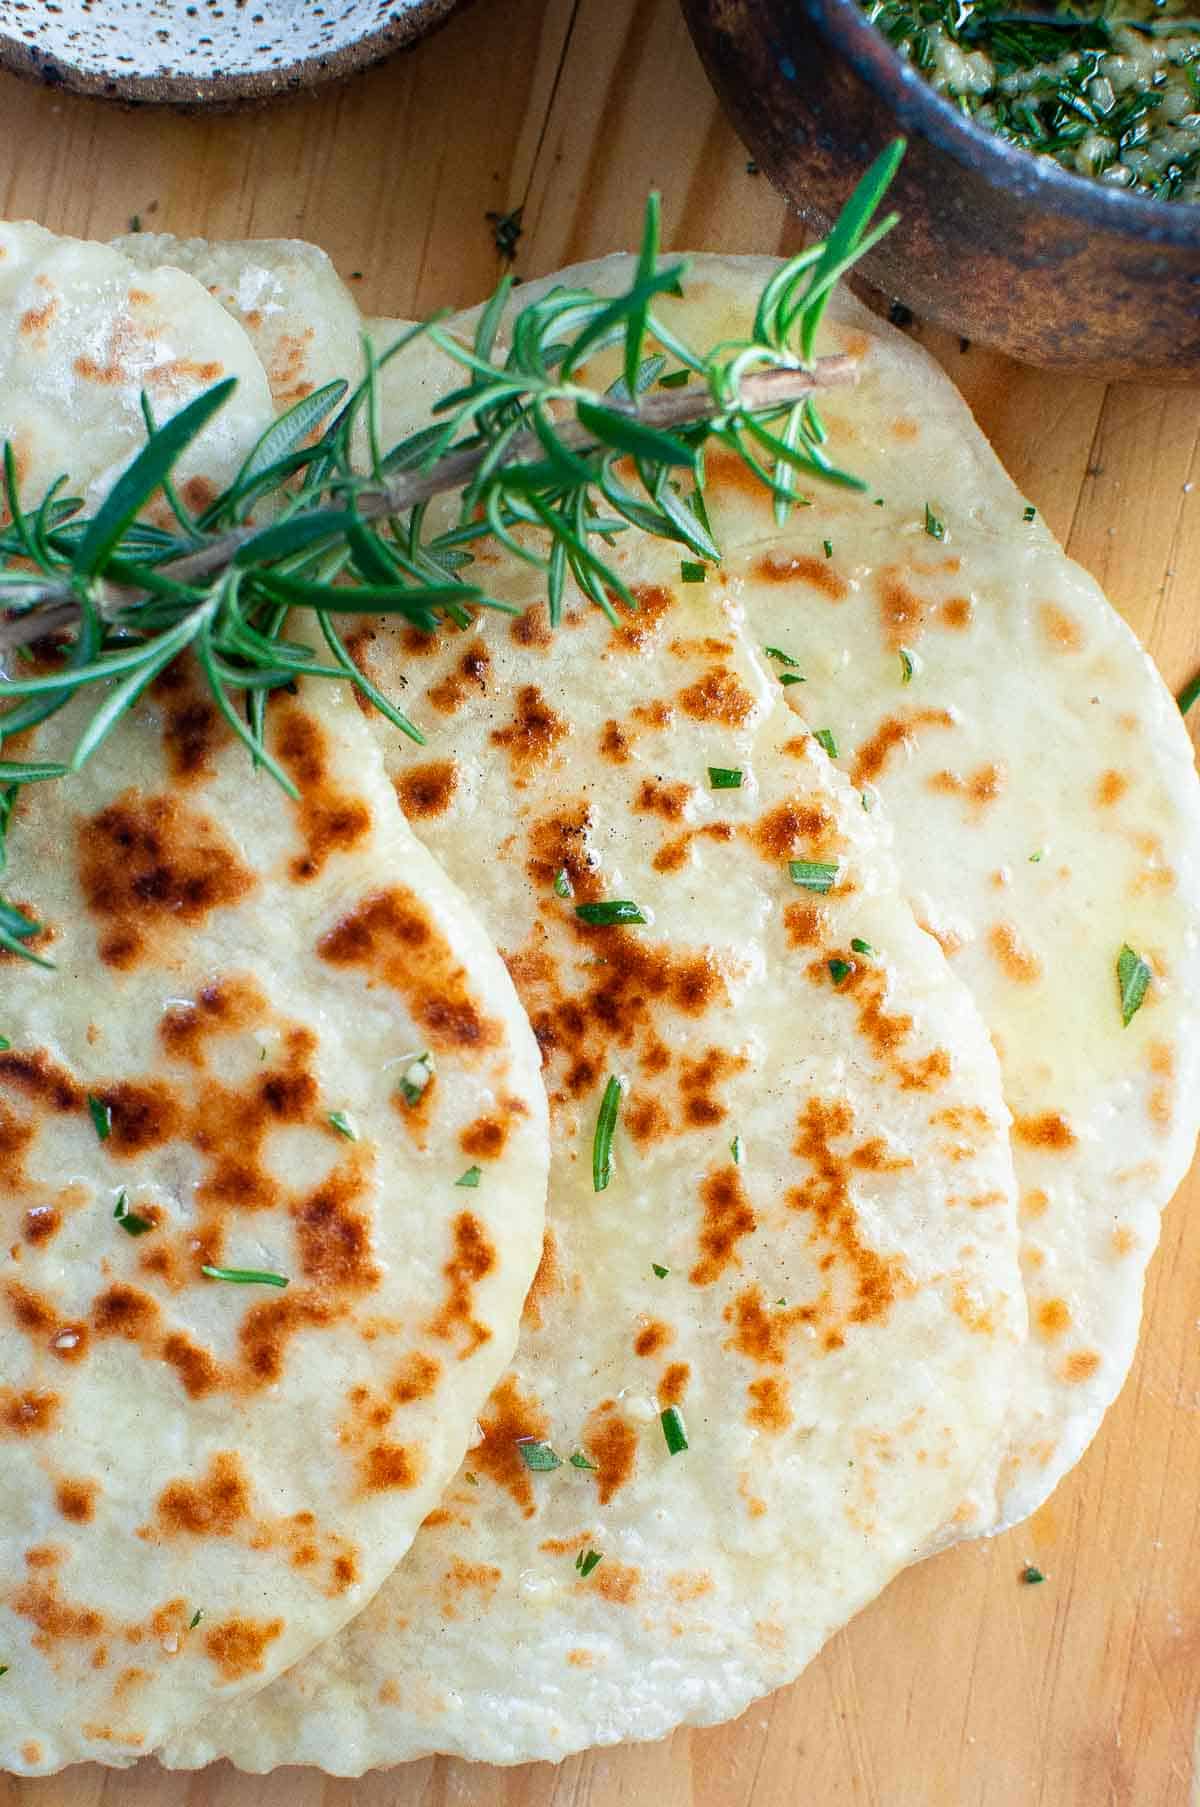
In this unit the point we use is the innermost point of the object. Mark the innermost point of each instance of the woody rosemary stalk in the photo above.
(54, 607)
(323, 518)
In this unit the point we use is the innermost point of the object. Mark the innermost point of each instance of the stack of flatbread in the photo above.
(547, 1443)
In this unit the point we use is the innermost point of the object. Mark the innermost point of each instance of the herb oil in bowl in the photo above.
(1111, 92)
(999, 240)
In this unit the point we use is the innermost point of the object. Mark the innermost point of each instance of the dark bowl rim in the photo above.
(19, 57)
(1039, 179)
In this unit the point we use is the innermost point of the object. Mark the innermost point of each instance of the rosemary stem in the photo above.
(675, 408)
(54, 608)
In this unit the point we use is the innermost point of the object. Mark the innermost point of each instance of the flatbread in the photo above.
(807, 1247)
(1090, 1220)
(284, 293)
(85, 334)
(232, 973)
(1046, 810)
(276, 1040)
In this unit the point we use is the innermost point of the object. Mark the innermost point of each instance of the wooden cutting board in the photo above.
(960, 1687)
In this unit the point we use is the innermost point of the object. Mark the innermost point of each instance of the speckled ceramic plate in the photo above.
(191, 53)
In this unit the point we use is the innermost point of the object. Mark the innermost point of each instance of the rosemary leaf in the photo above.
(244, 1276)
(607, 915)
(625, 434)
(135, 486)
(606, 1123)
(289, 431)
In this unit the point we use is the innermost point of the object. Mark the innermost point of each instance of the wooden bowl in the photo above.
(193, 53)
(1002, 246)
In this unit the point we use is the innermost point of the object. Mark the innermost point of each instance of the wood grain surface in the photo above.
(960, 1687)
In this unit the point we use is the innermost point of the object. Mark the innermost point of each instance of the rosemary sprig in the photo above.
(543, 463)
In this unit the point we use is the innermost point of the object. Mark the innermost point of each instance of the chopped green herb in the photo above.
(579, 1460)
(674, 379)
(5, 1044)
(863, 947)
(3, 1668)
(1035, 857)
(1031, 1576)
(827, 739)
(135, 222)
(790, 677)
(839, 971)
(1133, 979)
(415, 1078)
(866, 801)
(562, 883)
(506, 231)
(1188, 695)
(470, 1178)
(538, 1455)
(725, 777)
(244, 1276)
(585, 1564)
(828, 545)
(692, 572)
(341, 1122)
(101, 1115)
(673, 1430)
(814, 875)
(1030, 513)
(908, 664)
(737, 1149)
(606, 1123)
(934, 528)
(879, 502)
(472, 1480)
(661, 1271)
(604, 915)
(195, 1619)
(130, 1222)
(777, 653)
